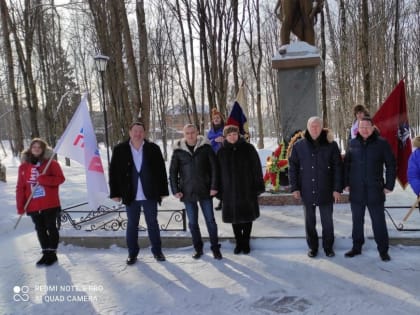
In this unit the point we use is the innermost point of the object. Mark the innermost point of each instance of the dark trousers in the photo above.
(133, 218)
(242, 232)
(380, 231)
(326, 214)
(46, 228)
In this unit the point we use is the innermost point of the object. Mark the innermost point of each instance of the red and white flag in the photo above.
(392, 122)
(78, 143)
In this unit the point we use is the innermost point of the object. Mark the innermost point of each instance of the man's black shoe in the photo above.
(312, 253)
(131, 260)
(42, 261)
(329, 253)
(51, 258)
(217, 254)
(237, 250)
(197, 254)
(160, 257)
(385, 257)
(353, 252)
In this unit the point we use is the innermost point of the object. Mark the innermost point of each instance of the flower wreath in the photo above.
(278, 162)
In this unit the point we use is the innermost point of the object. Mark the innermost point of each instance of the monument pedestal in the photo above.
(297, 76)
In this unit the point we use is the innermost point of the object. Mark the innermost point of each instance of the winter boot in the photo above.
(51, 258)
(43, 259)
(216, 252)
(246, 249)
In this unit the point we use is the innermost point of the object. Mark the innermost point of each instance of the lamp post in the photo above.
(101, 62)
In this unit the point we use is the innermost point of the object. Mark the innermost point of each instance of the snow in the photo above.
(276, 278)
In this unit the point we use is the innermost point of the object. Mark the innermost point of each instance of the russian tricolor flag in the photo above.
(237, 116)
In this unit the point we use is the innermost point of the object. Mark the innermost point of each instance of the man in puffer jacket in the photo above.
(193, 174)
(364, 163)
(315, 175)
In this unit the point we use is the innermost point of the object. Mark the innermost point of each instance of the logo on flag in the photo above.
(78, 143)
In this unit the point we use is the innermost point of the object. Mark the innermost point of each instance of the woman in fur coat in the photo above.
(241, 183)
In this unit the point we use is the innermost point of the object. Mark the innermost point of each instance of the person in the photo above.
(193, 175)
(315, 177)
(137, 177)
(241, 183)
(359, 111)
(37, 194)
(413, 170)
(364, 163)
(215, 135)
(298, 16)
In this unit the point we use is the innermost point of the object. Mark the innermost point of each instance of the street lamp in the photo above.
(101, 62)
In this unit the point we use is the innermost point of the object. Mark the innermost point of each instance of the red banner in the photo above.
(392, 122)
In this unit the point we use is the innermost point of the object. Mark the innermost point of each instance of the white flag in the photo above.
(78, 143)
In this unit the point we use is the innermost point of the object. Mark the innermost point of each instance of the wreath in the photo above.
(278, 163)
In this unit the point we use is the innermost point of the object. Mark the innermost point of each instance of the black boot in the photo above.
(216, 252)
(246, 249)
(43, 259)
(198, 253)
(51, 258)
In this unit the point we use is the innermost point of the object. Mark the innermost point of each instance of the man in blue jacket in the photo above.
(315, 175)
(137, 177)
(364, 163)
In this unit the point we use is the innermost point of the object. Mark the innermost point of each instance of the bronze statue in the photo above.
(298, 16)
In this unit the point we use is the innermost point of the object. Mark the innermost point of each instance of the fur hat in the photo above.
(215, 112)
(416, 142)
(230, 128)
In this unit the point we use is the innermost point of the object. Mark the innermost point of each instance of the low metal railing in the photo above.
(114, 218)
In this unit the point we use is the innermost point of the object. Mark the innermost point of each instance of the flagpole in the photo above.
(33, 191)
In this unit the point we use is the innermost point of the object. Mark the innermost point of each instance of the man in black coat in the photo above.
(315, 175)
(364, 163)
(137, 177)
(193, 175)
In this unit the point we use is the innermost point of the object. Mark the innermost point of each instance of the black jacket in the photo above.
(152, 174)
(364, 169)
(193, 174)
(316, 169)
(242, 181)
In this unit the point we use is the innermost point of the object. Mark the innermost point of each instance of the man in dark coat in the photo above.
(137, 177)
(315, 176)
(364, 163)
(193, 175)
(242, 182)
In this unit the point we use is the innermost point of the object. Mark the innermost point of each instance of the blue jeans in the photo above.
(192, 213)
(133, 218)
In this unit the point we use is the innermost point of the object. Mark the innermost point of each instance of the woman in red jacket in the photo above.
(37, 195)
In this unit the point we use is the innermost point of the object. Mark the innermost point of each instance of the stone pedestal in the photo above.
(297, 76)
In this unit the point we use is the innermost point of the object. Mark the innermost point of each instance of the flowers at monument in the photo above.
(276, 163)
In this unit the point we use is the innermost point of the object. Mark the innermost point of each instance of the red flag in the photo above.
(392, 122)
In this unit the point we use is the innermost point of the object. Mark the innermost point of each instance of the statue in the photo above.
(299, 17)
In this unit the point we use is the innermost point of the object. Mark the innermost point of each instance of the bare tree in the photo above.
(18, 134)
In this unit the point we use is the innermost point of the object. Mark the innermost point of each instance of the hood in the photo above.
(25, 156)
(325, 137)
(181, 144)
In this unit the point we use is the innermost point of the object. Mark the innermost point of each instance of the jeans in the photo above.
(192, 213)
(46, 228)
(133, 218)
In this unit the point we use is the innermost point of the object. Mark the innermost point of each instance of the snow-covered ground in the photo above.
(276, 278)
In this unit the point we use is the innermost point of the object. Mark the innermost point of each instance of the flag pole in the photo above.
(33, 190)
(411, 209)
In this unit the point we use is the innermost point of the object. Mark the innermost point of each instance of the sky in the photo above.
(277, 277)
